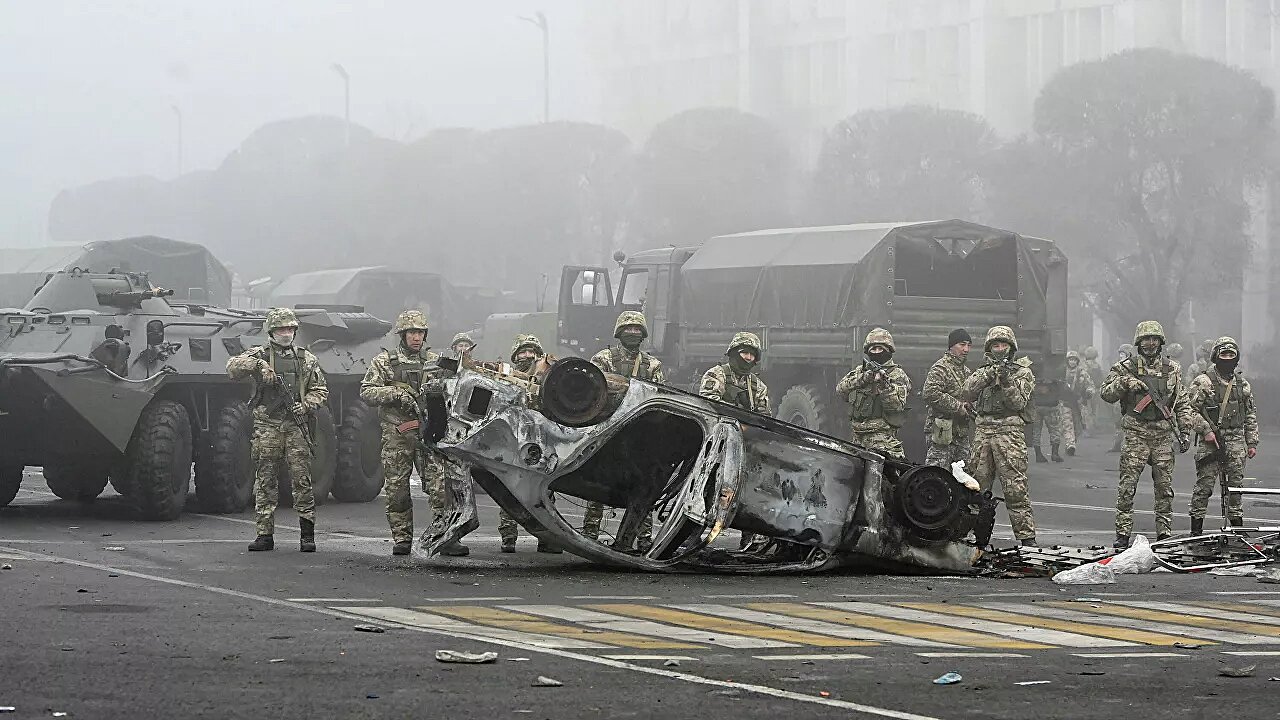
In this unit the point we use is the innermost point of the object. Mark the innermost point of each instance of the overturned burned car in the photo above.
(814, 502)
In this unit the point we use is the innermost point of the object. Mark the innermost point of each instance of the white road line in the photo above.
(807, 625)
(970, 655)
(991, 627)
(649, 657)
(611, 597)
(1222, 636)
(1015, 594)
(832, 656)
(431, 621)
(1112, 510)
(1129, 655)
(877, 595)
(1252, 653)
(473, 599)
(747, 596)
(1193, 610)
(619, 623)
(335, 600)
(619, 664)
(1245, 592)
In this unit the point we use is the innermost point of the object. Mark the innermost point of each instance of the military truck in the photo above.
(102, 379)
(813, 293)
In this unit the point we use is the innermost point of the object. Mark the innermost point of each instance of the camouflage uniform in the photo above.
(878, 397)
(1229, 404)
(508, 528)
(1125, 351)
(1002, 400)
(278, 432)
(1080, 393)
(947, 426)
(1094, 371)
(628, 362)
(392, 384)
(739, 386)
(1049, 411)
(1148, 436)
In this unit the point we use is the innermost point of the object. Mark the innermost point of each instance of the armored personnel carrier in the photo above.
(104, 380)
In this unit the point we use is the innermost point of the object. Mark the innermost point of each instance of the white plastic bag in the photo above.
(1137, 559)
(1091, 574)
(957, 469)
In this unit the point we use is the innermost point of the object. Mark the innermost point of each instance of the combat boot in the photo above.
(308, 543)
(1040, 458)
(1197, 526)
(1071, 451)
(1029, 542)
(1236, 521)
(508, 545)
(402, 548)
(1053, 453)
(455, 549)
(262, 542)
(1121, 543)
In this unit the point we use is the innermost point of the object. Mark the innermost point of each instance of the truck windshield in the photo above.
(635, 286)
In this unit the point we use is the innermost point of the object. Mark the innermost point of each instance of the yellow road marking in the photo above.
(724, 625)
(533, 624)
(1242, 607)
(951, 636)
(1116, 633)
(1168, 617)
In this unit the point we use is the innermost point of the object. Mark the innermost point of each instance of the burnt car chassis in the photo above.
(814, 502)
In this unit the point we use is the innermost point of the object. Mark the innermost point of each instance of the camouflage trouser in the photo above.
(399, 455)
(1058, 420)
(961, 448)
(1089, 417)
(884, 442)
(595, 513)
(508, 528)
(277, 443)
(1229, 471)
(1002, 450)
(1148, 445)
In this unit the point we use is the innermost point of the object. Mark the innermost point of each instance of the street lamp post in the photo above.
(539, 20)
(346, 108)
(177, 111)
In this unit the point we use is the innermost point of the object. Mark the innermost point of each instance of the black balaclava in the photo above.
(738, 364)
(879, 354)
(631, 340)
(1226, 367)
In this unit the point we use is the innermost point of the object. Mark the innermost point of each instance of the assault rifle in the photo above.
(285, 396)
(1162, 403)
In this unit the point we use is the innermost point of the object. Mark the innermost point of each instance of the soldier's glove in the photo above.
(1137, 385)
(407, 399)
(266, 374)
(299, 410)
(1184, 443)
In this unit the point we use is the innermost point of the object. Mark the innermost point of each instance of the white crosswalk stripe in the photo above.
(1184, 609)
(618, 623)
(1017, 632)
(417, 618)
(1194, 633)
(806, 625)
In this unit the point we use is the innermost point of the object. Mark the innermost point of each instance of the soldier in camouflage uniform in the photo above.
(526, 350)
(948, 417)
(1224, 400)
(1126, 351)
(1094, 371)
(393, 384)
(462, 344)
(735, 382)
(281, 428)
(877, 390)
(1080, 392)
(1050, 411)
(1000, 391)
(1148, 433)
(628, 360)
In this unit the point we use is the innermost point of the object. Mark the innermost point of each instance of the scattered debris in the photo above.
(1087, 600)
(6, 566)
(82, 590)
(115, 548)
(112, 575)
(1091, 672)
(371, 696)
(1034, 682)
(671, 663)
(1238, 672)
(60, 714)
(1087, 486)
(824, 693)
(276, 660)
(544, 681)
(1270, 575)
(950, 678)
(457, 656)
(1188, 646)
(280, 637)
(517, 659)
(1091, 574)
(1238, 571)
(8, 709)
(369, 628)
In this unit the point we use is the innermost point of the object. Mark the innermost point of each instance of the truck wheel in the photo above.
(75, 480)
(158, 461)
(359, 477)
(805, 406)
(10, 481)
(224, 465)
(322, 463)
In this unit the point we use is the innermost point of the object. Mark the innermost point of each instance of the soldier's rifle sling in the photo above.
(1162, 403)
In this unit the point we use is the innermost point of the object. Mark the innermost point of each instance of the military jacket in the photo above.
(997, 403)
(943, 392)
(297, 367)
(746, 391)
(394, 376)
(876, 404)
(1079, 386)
(624, 362)
(1209, 397)
(1165, 376)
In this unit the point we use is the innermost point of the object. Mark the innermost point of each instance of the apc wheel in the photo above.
(359, 476)
(10, 481)
(805, 406)
(224, 465)
(76, 480)
(322, 461)
(158, 461)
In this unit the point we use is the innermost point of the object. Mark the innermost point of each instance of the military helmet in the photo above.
(1073, 354)
(1174, 350)
(1148, 328)
(1225, 342)
(523, 341)
(744, 340)
(1000, 333)
(279, 318)
(878, 336)
(461, 337)
(1091, 353)
(1195, 369)
(630, 317)
(410, 320)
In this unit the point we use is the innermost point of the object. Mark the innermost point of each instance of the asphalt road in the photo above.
(108, 617)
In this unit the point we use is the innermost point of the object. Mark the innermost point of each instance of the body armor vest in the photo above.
(408, 370)
(630, 368)
(870, 406)
(289, 367)
(1234, 413)
(736, 394)
(1159, 382)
